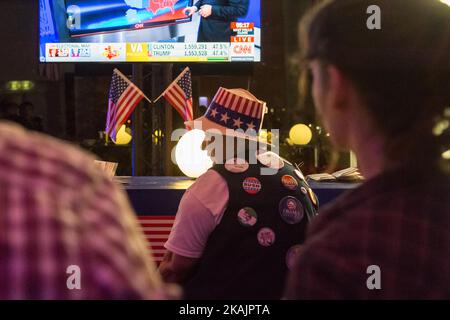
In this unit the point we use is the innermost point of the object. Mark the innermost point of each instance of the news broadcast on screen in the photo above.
(149, 31)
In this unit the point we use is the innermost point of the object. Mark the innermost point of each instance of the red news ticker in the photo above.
(243, 39)
(243, 25)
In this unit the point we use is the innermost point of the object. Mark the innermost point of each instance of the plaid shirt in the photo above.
(56, 211)
(400, 222)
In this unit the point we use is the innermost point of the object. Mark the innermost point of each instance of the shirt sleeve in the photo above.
(200, 211)
(234, 9)
(314, 278)
(331, 266)
(198, 4)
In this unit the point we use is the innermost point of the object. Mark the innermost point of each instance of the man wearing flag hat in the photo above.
(240, 225)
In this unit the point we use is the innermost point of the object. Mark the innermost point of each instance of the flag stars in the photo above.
(251, 126)
(237, 123)
(224, 117)
(213, 113)
(185, 83)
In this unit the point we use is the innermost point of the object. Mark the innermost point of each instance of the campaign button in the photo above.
(251, 185)
(289, 182)
(300, 175)
(291, 210)
(292, 254)
(313, 198)
(247, 217)
(270, 160)
(236, 165)
(266, 237)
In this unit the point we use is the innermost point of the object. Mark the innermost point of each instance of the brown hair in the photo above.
(402, 71)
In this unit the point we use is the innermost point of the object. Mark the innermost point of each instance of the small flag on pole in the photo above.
(179, 95)
(124, 96)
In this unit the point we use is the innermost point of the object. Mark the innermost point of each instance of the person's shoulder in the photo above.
(208, 180)
(379, 205)
(209, 185)
(211, 190)
(45, 155)
(359, 205)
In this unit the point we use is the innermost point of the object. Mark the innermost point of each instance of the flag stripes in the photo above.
(156, 230)
(254, 109)
(124, 96)
(179, 95)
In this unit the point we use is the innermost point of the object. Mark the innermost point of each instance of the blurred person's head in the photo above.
(391, 83)
(221, 148)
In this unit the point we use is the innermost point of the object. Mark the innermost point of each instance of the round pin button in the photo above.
(247, 217)
(289, 182)
(291, 210)
(270, 160)
(266, 237)
(236, 165)
(292, 254)
(304, 191)
(251, 185)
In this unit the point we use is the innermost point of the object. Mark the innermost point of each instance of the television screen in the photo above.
(150, 30)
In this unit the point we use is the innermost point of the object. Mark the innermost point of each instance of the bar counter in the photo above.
(156, 199)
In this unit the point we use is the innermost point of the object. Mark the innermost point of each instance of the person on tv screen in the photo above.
(217, 16)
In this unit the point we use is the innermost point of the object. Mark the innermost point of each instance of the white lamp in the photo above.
(446, 155)
(190, 158)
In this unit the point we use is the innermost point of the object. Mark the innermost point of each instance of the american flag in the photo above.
(179, 95)
(156, 230)
(124, 96)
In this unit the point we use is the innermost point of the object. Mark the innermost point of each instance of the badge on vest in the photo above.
(313, 198)
(266, 237)
(236, 165)
(270, 160)
(304, 191)
(291, 210)
(251, 185)
(300, 175)
(247, 217)
(292, 254)
(289, 182)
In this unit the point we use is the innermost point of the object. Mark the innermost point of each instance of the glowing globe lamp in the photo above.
(190, 158)
(122, 136)
(300, 134)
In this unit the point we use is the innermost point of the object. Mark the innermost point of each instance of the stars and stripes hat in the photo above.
(233, 112)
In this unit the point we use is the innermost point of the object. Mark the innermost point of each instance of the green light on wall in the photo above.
(27, 85)
(13, 85)
(20, 85)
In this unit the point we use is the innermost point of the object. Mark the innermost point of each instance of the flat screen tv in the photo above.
(149, 31)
